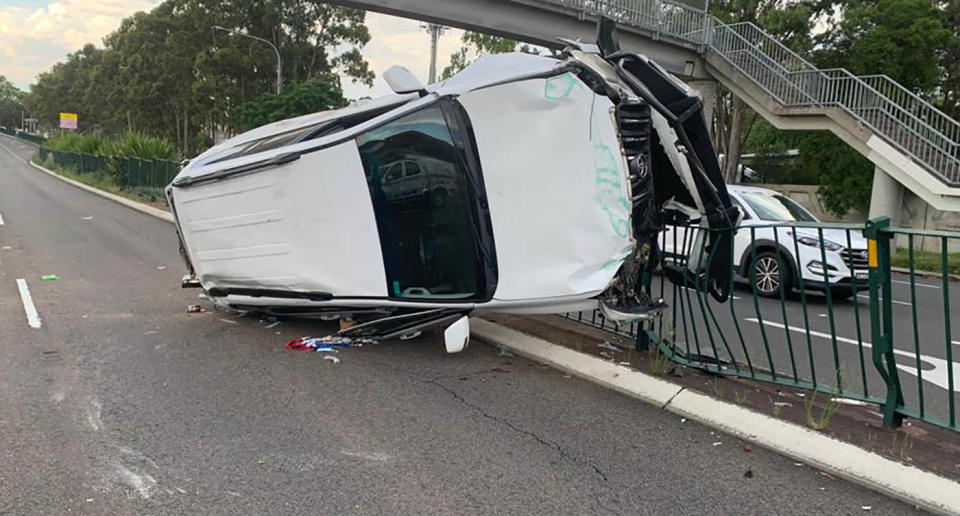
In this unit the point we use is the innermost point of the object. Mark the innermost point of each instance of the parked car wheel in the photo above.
(770, 273)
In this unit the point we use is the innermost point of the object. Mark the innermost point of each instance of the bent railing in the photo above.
(878, 329)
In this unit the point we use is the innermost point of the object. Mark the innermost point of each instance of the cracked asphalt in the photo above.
(123, 403)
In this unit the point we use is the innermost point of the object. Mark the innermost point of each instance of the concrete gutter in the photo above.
(921, 488)
(912, 485)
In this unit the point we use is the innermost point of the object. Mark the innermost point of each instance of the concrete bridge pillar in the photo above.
(707, 91)
(886, 196)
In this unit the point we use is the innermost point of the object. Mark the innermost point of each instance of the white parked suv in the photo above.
(801, 261)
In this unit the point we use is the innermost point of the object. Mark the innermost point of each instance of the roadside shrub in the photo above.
(138, 145)
(89, 143)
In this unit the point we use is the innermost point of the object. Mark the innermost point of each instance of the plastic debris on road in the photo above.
(607, 345)
(50, 277)
(88, 217)
(332, 358)
(325, 343)
(272, 325)
(194, 309)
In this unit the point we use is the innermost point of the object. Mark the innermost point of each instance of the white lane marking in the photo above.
(33, 318)
(894, 301)
(695, 290)
(12, 153)
(938, 375)
(915, 283)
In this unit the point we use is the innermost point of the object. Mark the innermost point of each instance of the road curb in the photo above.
(907, 483)
(143, 208)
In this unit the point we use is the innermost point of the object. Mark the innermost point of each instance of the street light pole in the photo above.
(274, 47)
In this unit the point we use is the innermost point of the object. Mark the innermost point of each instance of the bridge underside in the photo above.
(538, 24)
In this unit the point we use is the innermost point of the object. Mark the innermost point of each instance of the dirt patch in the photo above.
(915, 443)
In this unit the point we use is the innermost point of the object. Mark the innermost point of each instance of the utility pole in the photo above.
(435, 32)
(274, 47)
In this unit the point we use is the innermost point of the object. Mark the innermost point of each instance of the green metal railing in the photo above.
(844, 321)
(144, 175)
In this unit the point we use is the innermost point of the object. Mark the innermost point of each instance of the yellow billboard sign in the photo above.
(68, 120)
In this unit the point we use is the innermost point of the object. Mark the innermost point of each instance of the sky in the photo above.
(35, 34)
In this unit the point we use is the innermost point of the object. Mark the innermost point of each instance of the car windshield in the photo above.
(776, 207)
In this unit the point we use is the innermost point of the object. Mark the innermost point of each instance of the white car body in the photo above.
(507, 187)
(845, 251)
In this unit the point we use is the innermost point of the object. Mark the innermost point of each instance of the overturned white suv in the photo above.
(523, 184)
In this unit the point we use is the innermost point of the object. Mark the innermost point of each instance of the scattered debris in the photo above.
(329, 317)
(161, 267)
(624, 363)
(193, 309)
(274, 324)
(798, 464)
(717, 443)
(675, 372)
(230, 321)
(683, 420)
(848, 401)
(748, 474)
(747, 448)
(504, 352)
(866, 507)
(202, 295)
(607, 345)
(782, 404)
(88, 217)
(800, 394)
(332, 358)
(89, 499)
(325, 343)
(50, 277)
(150, 332)
(410, 335)
(6, 247)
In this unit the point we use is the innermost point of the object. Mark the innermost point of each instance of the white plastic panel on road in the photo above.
(307, 225)
(556, 183)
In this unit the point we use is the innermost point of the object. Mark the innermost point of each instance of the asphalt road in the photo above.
(123, 403)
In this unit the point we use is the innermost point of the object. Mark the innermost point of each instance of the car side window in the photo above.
(426, 227)
(740, 207)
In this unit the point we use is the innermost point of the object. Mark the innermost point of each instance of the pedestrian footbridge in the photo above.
(912, 143)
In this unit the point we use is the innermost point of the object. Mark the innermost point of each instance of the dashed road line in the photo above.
(33, 318)
(894, 301)
(927, 285)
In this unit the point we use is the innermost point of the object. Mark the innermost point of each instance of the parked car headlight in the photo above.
(815, 242)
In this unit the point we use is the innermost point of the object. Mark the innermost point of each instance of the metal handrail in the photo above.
(909, 123)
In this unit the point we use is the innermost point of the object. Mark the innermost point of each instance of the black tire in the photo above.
(770, 273)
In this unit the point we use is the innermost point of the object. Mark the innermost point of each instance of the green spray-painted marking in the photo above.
(396, 289)
(608, 182)
(560, 87)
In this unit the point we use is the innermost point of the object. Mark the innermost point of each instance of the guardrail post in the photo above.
(881, 317)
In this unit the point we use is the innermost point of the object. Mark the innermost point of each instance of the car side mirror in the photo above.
(457, 335)
(402, 81)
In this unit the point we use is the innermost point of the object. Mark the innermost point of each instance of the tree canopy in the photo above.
(168, 73)
(11, 102)
(915, 42)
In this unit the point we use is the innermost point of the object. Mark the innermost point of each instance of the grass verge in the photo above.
(926, 261)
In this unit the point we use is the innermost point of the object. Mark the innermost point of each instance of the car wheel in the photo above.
(770, 274)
